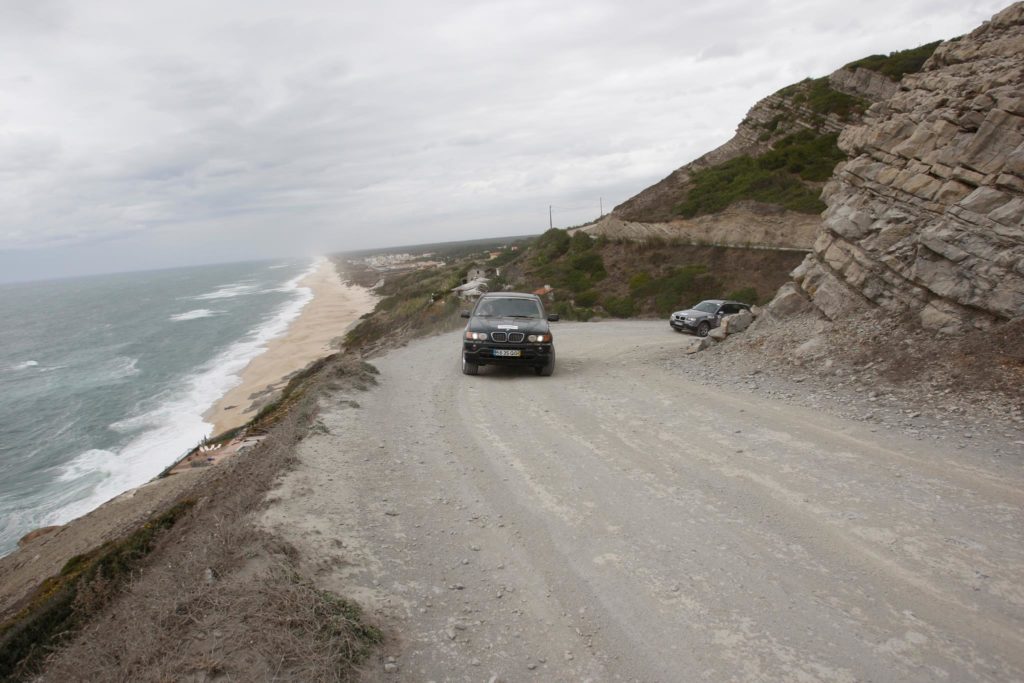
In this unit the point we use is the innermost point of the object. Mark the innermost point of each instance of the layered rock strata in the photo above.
(927, 217)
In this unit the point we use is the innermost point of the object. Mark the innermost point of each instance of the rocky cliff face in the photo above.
(926, 217)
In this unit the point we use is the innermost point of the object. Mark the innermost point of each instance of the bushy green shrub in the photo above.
(742, 178)
(823, 99)
(587, 298)
(896, 64)
(620, 307)
(550, 246)
(810, 156)
(747, 295)
(581, 242)
(590, 263)
(639, 283)
(773, 177)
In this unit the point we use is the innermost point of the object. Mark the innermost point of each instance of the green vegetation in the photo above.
(773, 177)
(897, 64)
(620, 306)
(63, 603)
(822, 99)
(747, 295)
(565, 262)
(550, 246)
(806, 154)
(686, 284)
(817, 95)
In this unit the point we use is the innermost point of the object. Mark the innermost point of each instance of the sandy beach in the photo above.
(323, 320)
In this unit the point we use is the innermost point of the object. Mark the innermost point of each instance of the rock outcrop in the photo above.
(862, 82)
(927, 217)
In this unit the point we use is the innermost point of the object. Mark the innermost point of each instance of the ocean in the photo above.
(104, 380)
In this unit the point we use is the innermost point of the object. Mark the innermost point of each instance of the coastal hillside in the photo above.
(925, 218)
(763, 186)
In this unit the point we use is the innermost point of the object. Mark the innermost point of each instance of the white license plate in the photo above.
(508, 353)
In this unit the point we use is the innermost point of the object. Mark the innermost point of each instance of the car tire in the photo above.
(547, 370)
(469, 368)
(703, 329)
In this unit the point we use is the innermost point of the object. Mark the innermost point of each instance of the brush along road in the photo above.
(623, 521)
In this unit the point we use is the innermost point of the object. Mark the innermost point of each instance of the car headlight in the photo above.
(476, 336)
(539, 338)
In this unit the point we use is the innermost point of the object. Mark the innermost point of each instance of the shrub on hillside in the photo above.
(773, 177)
(810, 156)
(581, 242)
(590, 263)
(821, 98)
(619, 307)
(550, 246)
(747, 295)
(587, 298)
(639, 284)
(896, 64)
(742, 178)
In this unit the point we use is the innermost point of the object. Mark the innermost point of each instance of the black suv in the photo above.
(508, 328)
(704, 316)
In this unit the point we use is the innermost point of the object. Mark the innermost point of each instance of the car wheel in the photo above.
(469, 368)
(547, 370)
(702, 329)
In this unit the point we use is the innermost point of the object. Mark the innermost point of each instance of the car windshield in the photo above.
(706, 307)
(508, 308)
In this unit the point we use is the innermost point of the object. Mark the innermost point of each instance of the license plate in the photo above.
(508, 353)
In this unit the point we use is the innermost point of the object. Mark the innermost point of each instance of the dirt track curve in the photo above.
(621, 521)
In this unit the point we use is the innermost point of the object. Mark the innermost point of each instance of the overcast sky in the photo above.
(139, 134)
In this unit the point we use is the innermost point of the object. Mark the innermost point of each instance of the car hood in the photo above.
(526, 325)
(691, 313)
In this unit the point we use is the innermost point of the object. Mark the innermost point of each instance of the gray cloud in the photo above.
(144, 135)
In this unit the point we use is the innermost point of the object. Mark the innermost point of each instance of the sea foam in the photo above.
(172, 428)
(228, 292)
(195, 314)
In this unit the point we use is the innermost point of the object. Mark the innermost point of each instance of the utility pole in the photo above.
(550, 223)
(601, 204)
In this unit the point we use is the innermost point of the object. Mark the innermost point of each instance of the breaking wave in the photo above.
(195, 315)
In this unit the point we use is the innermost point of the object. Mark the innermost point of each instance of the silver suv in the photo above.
(705, 316)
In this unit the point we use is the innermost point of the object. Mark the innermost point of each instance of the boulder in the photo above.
(790, 300)
(737, 322)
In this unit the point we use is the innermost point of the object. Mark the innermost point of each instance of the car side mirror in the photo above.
(553, 317)
(464, 314)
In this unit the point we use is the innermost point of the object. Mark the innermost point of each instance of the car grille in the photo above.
(513, 337)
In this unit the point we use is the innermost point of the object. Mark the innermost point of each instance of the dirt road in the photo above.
(621, 521)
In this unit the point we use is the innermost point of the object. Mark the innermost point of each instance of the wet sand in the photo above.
(312, 335)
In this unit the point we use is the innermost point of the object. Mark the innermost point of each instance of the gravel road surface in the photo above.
(621, 521)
